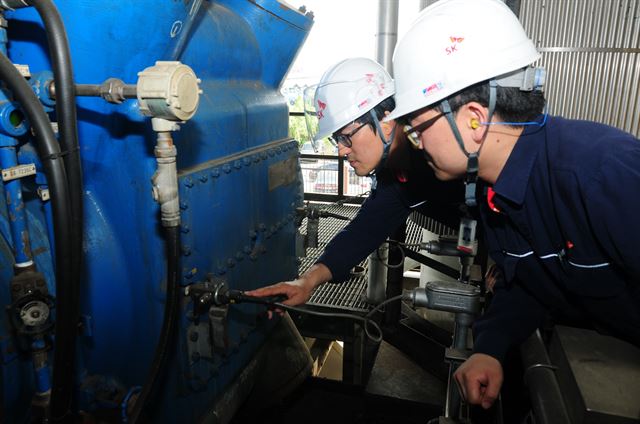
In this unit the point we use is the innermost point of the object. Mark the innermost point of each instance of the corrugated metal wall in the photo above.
(591, 50)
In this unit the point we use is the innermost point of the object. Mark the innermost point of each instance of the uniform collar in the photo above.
(513, 180)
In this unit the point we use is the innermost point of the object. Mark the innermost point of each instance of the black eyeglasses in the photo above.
(344, 139)
(413, 133)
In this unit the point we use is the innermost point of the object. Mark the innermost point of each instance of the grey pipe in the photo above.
(387, 34)
(425, 3)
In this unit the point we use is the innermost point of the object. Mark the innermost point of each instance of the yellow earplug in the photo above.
(474, 123)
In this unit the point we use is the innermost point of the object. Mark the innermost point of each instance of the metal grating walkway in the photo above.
(349, 294)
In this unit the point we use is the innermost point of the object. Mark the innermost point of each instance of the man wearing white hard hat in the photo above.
(557, 198)
(348, 106)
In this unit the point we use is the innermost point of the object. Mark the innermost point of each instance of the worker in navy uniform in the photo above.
(348, 105)
(558, 198)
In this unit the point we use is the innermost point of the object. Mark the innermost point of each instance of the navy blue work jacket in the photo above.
(406, 184)
(566, 234)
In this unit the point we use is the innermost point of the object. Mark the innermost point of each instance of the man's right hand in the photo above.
(479, 379)
(297, 291)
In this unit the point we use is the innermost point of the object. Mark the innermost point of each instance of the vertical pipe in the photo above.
(377, 275)
(426, 3)
(15, 205)
(394, 278)
(387, 34)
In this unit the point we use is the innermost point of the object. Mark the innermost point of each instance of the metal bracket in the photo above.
(456, 355)
(218, 327)
(43, 194)
(199, 342)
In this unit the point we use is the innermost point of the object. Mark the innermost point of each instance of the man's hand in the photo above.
(480, 378)
(297, 291)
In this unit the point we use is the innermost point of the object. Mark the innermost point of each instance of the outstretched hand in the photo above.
(297, 292)
(479, 379)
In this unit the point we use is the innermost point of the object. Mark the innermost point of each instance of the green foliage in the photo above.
(297, 125)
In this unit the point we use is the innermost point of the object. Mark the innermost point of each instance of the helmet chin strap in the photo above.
(471, 176)
(386, 145)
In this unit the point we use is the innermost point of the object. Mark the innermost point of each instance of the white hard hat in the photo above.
(454, 44)
(346, 91)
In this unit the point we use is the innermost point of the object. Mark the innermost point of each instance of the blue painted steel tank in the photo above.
(238, 177)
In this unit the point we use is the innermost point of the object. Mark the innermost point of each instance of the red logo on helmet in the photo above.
(455, 41)
(321, 107)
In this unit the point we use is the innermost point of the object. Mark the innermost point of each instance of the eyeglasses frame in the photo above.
(345, 139)
(413, 134)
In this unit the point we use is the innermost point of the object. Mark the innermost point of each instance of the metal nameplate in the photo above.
(24, 70)
(283, 173)
(19, 171)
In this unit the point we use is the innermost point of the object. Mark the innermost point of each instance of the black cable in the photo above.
(234, 296)
(68, 309)
(49, 151)
(381, 304)
(169, 325)
(400, 243)
(363, 321)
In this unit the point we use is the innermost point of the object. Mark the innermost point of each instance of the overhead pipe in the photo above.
(426, 3)
(387, 34)
(386, 37)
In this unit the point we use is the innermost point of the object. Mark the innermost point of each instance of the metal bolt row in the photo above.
(227, 168)
(246, 161)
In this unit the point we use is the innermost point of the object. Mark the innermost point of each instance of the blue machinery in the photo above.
(93, 276)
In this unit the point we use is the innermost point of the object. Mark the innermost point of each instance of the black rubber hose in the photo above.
(68, 310)
(169, 324)
(49, 153)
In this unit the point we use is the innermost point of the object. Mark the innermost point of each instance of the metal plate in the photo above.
(598, 375)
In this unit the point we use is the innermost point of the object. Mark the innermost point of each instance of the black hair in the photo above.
(512, 104)
(387, 105)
